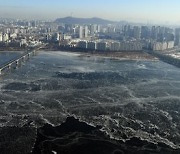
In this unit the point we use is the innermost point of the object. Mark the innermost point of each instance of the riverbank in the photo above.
(12, 49)
(120, 55)
(128, 55)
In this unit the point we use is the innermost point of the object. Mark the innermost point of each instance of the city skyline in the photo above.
(161, 11)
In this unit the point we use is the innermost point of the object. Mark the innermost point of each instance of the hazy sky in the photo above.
(132, 10)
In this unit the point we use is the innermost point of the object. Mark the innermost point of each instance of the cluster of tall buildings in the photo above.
(17, 33)
(105, 45)
(160, 46)
(156, 33)
(126, 37)
(80, 31)
(114, 37)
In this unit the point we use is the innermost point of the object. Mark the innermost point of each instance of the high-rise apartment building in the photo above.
(136, 32)
(93, 29)
(83, 31)
(91, 45)
(154, 33)
(177, 37)
(1, 37)
(115, 46)
(145, 32)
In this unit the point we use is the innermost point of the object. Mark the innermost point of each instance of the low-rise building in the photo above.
(23, 42)
(13, 35)
(67, 37)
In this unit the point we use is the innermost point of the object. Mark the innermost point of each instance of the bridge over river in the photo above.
(16, 61)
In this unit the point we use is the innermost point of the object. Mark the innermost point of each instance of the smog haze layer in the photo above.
(148, 11)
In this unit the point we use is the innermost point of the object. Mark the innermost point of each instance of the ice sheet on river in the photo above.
(127, 98)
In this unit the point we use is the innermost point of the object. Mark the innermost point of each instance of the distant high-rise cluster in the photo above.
(123, 37)
(104, 37)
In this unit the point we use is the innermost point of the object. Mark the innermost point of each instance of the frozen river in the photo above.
(127, 98)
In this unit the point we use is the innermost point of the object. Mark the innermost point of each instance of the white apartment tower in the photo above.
(83, 32)
(1, 37)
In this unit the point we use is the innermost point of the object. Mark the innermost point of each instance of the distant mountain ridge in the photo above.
(73, 20)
